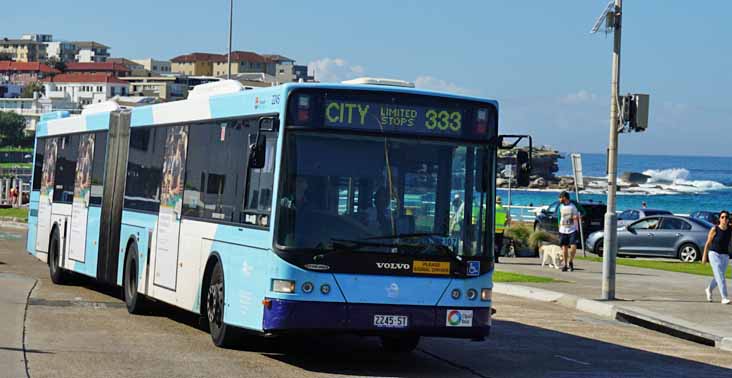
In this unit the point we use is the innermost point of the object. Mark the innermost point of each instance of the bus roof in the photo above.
(237, 103)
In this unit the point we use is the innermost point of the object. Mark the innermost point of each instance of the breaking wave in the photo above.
(677, 180)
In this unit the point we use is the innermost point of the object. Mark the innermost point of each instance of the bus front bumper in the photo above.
(285, 316)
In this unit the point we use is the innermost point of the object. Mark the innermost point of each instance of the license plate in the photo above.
(391, 321)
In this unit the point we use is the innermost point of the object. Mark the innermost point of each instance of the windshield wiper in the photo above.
(346, 245)
(398, 236)
(438, 246)
(447, 251)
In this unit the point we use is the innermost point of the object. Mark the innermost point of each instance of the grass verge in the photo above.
(671, 266)
(21, 213)
(499, 276)
(16, 165)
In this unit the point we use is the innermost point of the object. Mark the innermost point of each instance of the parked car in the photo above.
(631, 215)
(593, 218)
(709, 216)
(659, 236)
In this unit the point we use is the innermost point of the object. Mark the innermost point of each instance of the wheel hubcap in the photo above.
(688, 254)
(214, 303)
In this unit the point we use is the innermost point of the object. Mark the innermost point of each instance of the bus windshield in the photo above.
(382, 194)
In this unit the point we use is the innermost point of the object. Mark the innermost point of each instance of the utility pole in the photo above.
(231, 26)
(610, 242)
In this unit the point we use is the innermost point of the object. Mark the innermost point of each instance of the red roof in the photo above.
(197, 57)
(93, 66)
(6, 66)
(84, 78)
(242, 56)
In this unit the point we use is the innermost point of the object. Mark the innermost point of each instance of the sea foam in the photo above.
(677, 180)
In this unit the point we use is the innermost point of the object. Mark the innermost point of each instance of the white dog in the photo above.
(553, 252)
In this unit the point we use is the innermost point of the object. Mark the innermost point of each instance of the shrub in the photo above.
(519, 233)
(539, 236)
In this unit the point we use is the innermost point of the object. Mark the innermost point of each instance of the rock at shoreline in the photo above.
(634, 178)
(539, 183)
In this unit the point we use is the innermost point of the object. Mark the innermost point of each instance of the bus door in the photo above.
(46, 196)
(171, 203)
(80, 202)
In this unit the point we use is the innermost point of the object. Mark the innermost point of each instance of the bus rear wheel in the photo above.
(58, 275)
(400, 343)
(133, 299)
(223, 335)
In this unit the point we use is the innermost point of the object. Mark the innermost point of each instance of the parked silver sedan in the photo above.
(666, 236)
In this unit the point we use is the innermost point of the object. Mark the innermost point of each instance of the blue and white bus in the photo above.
(297, 208)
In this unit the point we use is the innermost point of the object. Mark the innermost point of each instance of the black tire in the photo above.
(401, 344)
(58, 275)
(688, 253)
(597, 249)
(135, 301)
(223, 335)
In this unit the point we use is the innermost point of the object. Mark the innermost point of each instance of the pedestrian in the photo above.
(717, 250)
(568, 221)
(13, 196)
(502, 220)
(644, 205)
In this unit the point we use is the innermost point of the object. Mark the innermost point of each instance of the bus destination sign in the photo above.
(394, 118)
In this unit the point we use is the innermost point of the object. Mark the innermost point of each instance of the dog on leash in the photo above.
(551, 252)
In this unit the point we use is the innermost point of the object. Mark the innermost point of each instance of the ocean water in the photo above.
(681, 184)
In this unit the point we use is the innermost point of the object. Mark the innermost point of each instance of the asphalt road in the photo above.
(83, 330)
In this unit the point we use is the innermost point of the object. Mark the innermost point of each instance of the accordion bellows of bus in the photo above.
(305, 207)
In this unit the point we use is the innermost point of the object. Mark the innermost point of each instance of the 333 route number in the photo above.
(443, 120)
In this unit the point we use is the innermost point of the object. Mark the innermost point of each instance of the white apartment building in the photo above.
(84, 89)
(91, 51)
(32, 108)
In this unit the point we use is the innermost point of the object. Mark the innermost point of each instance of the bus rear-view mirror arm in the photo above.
(257, 150)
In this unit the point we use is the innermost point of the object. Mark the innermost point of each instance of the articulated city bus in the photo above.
(289, 209)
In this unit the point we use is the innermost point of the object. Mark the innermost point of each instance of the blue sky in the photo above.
(536, 57)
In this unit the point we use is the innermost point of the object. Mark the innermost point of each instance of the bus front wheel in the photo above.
(222, 334)
(399, 344)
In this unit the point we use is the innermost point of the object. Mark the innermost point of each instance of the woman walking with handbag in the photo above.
(717, 249)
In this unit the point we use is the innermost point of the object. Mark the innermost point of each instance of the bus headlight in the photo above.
(472, 294)
(486, 294)
(455, 293)
(307, 287)
(283, 286)
(325, 289)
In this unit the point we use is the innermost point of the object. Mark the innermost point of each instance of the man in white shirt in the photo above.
(568, 224)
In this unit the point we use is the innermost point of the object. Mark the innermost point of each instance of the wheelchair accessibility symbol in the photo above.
(473, 268)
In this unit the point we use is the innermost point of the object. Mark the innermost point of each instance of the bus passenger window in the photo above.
(144, 168)
(216, 170)
(68, 148)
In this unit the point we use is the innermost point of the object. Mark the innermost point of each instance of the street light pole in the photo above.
(610, 242)
(231, 25)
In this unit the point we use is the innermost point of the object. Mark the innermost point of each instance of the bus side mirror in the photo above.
(257, 151)
(523, 168)
(523, 157)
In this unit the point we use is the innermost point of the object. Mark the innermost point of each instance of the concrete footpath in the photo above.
(13, 296)
(670, 302)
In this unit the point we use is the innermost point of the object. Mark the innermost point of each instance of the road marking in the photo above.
(572, 360)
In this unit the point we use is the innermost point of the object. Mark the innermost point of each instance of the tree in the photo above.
(30, 88)
(56, 63)
(12, 130)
